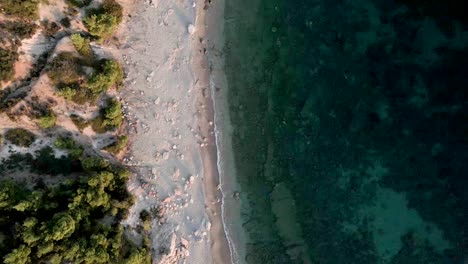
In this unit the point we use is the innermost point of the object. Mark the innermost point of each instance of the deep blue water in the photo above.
(350, 120)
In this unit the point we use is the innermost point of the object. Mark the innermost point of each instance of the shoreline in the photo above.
(221, 245)
(228, 184)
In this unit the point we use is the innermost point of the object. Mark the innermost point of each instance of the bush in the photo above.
(103, 21)
(113, 8)
(23, 9)
(79, 122)
(65, 22)
(113, 114)
(65, 70)
(79, 3)
(82, 45)
(118, 145)
(20, 137)
(7, 62)
(67, 143)
(145, 218)
(48, 120)
(66, 92)
(46, 163)
(97, 124)
(101, 25)
(110, 117)
(20, 30)
(109, 74)
(50, 28)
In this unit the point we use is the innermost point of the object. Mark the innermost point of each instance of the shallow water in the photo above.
(350, 129)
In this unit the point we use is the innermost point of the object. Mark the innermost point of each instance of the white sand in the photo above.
(172, 133)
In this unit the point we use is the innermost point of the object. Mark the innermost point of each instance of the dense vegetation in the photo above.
(20, 137)
(20, 29)
(24, 9)
(76, 221)
(7, 62)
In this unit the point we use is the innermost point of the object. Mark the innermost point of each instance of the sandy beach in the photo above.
(170, 113)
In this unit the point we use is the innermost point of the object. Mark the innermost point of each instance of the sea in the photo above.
(350, 129)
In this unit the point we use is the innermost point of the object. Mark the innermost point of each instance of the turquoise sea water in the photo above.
(350, 129)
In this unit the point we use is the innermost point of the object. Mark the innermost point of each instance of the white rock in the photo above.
(191, 29)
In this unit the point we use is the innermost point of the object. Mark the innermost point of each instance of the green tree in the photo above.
(62, 227)
(29, 232)
(9, 194)
(19, 255)
(82, 45)
(44, 248)
(31, 203)
(101, 180)
(110, 74)
(113, 114)
(138, 256)
(101, 25)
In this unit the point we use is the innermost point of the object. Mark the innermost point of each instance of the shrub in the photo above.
(23, 9)
(66, 92)
(79, 3)
(48, 120)
(101, 25)
(46, 163)
(113, 8)
(50, 28)
(113, 115)
(118, 145)
(145, 218)
(110, 117)
(65, 69)
(111, 73)
(67, 143)
(7, 62)
(21, 29)
(82, 45)
(103, 21)
(65, 22)
(19, 255)
(79, 122)
(97, 124)
(20, 137)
